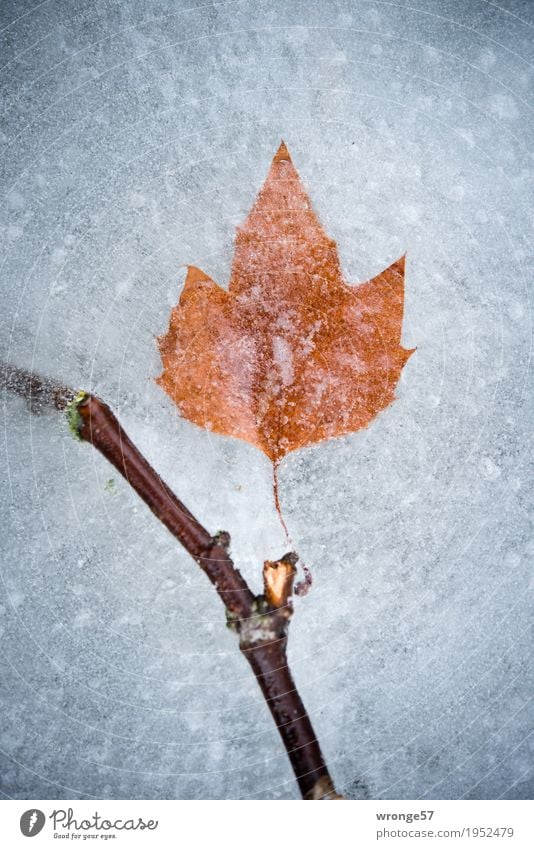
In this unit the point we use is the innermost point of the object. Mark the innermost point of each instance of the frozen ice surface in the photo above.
(135, 137)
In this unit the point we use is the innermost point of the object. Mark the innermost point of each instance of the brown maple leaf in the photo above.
(290, 354)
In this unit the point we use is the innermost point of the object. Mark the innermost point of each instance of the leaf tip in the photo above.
(195, 274)
(400, 265)
(282, 154)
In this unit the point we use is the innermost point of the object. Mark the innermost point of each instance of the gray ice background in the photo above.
(135, 136)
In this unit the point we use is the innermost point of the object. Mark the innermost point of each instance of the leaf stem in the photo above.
(276, 494)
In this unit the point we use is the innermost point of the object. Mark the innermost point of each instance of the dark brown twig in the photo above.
(261, 622)
(38, 391)
(99, 426)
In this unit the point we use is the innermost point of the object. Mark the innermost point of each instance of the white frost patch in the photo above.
(503, 106)
(489, 469)
(351, 361)
(283, 359)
